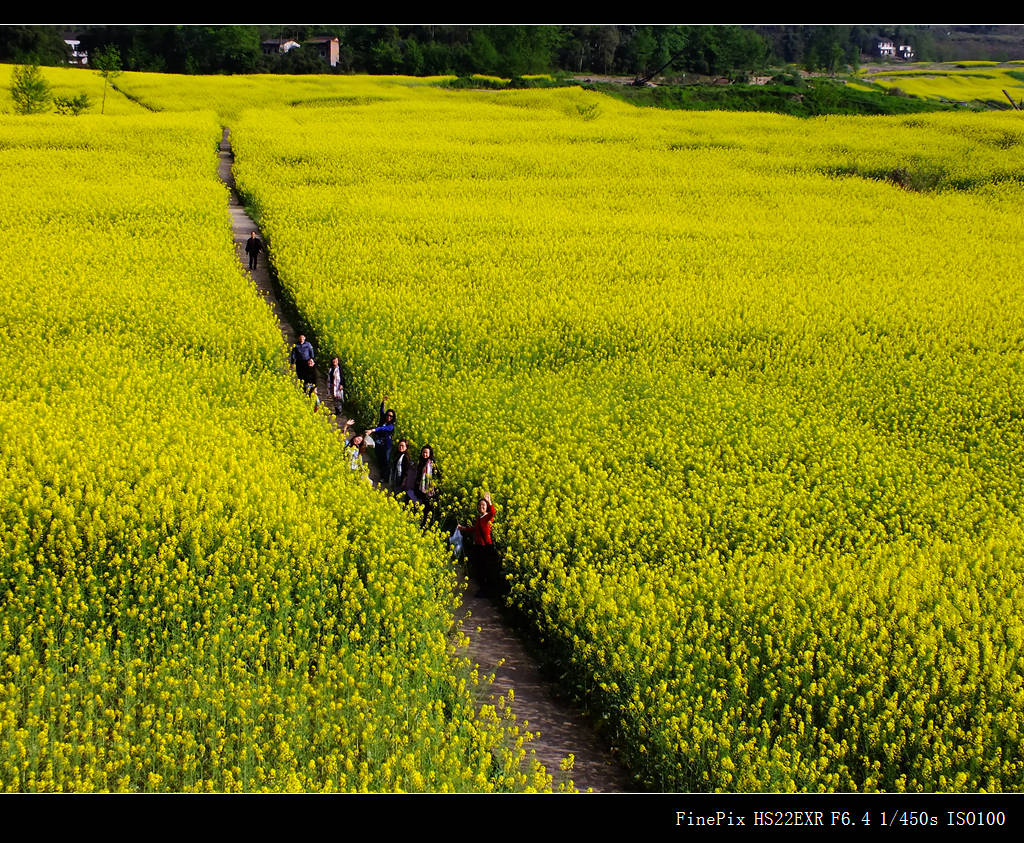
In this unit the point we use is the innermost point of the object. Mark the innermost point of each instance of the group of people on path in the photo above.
(407, 479)
(417, 482)
(302, 358)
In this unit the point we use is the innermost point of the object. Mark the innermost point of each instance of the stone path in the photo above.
(493, 646)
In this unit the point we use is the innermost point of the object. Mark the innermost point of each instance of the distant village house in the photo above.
(76, 56)
(327, 47)
(888, 50)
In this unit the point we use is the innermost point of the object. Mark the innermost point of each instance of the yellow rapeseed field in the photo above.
(744, 387)
(960, 82)
(196, 594)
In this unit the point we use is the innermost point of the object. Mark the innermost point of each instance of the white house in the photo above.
(79, 57)
(326, 45)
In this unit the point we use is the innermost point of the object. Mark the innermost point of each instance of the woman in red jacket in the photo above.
(480, 552)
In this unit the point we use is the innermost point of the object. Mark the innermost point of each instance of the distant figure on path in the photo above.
(336, 385)
(253, 246)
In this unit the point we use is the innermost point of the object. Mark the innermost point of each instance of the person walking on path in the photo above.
(482, 557)
(382, 434)
(253, 247)
(428, 478)
(336, 385)
(301, 358)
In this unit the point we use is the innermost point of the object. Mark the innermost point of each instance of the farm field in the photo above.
(960, 82)
(744, 388)
(229, 96)
(71, 81)
(194, 597)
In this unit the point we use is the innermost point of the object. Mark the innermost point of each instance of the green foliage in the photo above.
(29, 44)
(72, 105)
(800, 98)
(107, 62)
(29, 90)
(495, 83)
(439, 50)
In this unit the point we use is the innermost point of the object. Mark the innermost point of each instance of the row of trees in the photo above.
(414, 50)
(31, 93)
(828, 48)
(504, 50)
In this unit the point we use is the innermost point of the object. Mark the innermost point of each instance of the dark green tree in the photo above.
(386, 57)
(608, 42)
(525, 49)
(38, 44)
(302, 60)
(413, 60)
(641, 49)
(29, 90)
(483, 54)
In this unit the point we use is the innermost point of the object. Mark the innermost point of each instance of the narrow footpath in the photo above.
(560, 727)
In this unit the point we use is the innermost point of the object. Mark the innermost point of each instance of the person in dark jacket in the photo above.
(301, 358)
(253, 247)
(309, 376)
(382, 434)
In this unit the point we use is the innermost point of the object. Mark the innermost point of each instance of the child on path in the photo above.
(309, 377)
(356, 449)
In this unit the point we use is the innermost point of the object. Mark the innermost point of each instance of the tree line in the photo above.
(425, 50)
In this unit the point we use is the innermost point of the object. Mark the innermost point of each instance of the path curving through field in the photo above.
(560, 728)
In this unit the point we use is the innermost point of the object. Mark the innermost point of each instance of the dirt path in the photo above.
(493, 645)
